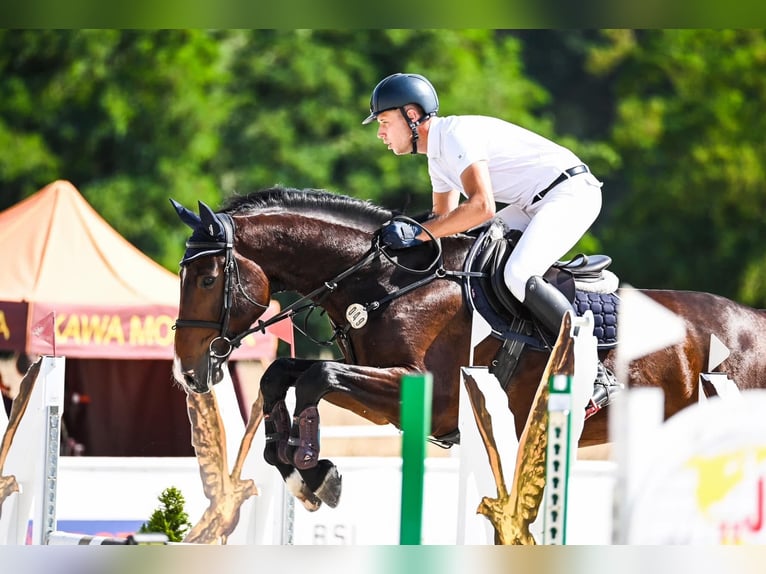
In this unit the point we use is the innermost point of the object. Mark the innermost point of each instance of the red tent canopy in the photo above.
(59, 260)
(57, 255)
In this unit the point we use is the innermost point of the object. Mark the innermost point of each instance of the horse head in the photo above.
(222, 294)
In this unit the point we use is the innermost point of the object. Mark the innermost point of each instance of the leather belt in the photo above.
(571, 172)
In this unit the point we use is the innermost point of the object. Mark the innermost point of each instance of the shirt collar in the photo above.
(434, 149)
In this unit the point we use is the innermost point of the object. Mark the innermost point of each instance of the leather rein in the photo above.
(311, 301)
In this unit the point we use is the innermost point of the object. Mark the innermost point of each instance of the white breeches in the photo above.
(551, 227)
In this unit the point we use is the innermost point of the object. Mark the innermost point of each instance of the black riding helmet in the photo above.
(398, 90)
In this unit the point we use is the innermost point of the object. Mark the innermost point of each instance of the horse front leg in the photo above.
(370, 392)
(275, 382)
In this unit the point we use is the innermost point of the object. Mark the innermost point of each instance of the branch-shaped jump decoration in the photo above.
(512, 513)
(226, 492)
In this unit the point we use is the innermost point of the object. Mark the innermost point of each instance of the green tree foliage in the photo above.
(689, 127)
(169, 518)
(130, 117)
(670, 119)
(301, 96)
(135, 117)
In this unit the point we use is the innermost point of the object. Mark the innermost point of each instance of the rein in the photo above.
(435, 270)
(296, 307)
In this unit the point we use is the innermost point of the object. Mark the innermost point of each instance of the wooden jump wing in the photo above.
(226, 492)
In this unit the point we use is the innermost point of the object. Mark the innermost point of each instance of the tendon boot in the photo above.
(604, 388)
(277, 434)
(548, 305)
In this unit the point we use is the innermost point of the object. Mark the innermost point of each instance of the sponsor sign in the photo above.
(706, 482)
(144, 332)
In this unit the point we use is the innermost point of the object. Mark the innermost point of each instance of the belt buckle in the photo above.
(578, 169)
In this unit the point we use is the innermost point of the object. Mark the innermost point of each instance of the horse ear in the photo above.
(210, 220)
(188, 217)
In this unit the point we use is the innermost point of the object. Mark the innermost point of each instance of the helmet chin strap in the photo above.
(414, 128)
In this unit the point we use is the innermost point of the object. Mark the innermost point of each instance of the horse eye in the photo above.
(207, 281)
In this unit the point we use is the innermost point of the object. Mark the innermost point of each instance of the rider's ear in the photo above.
(412, 113)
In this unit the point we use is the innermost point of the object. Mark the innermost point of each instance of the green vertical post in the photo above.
(417, 392)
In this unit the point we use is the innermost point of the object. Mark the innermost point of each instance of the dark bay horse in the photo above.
(392, 314)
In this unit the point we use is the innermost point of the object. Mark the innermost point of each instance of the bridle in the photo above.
(222, 346)
(231, 282)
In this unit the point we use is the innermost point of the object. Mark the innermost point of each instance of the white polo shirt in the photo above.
(521, 163)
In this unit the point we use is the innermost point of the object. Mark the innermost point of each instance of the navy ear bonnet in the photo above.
(210, 231)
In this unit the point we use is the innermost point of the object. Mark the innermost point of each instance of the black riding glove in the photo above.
(400, 234)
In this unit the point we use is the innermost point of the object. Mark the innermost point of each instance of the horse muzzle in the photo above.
(200, 380)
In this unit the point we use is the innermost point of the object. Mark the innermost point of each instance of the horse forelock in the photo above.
(309, 201)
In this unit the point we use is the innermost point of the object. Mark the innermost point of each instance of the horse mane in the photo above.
(318, 201)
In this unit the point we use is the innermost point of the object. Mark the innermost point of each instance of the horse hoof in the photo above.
(330, 489)
(298, 488)
(310, 502)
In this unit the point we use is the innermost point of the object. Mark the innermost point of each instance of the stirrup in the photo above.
(604, 388)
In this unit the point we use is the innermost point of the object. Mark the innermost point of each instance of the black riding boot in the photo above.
(548, 305)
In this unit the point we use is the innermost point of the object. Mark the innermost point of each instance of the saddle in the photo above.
(584, 280)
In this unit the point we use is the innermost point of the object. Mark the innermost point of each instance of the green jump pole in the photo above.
(417, 392)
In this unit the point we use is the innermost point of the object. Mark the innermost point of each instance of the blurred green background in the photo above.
(671, 120)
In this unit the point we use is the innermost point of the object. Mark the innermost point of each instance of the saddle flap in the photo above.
(484, 261)
(489, 295)
(497, 280)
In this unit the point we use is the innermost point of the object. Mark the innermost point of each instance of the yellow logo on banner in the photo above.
(4, 330)
(84, 329)
(109, 329)
(152, 331)
(137, 330)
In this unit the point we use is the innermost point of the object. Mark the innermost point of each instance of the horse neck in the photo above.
(301, 253)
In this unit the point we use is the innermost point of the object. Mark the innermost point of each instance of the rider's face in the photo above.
(394, 131)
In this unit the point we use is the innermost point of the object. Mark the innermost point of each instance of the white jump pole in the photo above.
(557, 459)
(33, 459)
(568, 395)
(474, 475)
(644, 327)
(44, 521)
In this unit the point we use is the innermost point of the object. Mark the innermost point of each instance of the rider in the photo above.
(550, 194)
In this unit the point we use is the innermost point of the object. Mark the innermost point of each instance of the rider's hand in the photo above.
(400, 234)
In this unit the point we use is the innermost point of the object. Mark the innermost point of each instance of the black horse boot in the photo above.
(548, 305)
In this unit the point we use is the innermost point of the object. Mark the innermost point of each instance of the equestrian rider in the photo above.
(549, 193)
